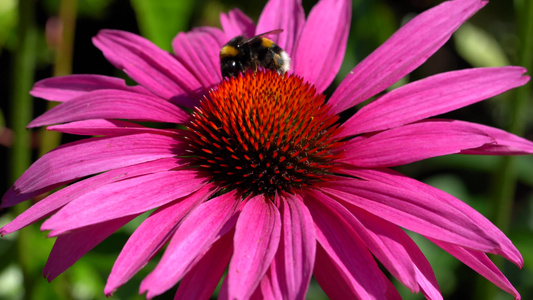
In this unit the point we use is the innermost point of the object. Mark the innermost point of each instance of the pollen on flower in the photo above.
(262, 132)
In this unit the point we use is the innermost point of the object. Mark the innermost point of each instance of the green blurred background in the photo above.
(40, 39)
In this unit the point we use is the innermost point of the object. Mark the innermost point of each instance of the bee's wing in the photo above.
(275, 31)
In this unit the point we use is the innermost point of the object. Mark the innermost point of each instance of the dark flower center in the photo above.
(263, 133)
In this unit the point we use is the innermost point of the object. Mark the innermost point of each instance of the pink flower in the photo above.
(263, 178)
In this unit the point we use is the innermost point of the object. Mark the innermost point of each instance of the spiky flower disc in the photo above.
(262, 133)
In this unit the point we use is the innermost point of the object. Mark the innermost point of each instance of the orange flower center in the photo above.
(263, 133)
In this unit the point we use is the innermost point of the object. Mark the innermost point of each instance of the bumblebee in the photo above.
(241, 54)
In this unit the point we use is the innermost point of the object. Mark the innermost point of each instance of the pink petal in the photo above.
(203, 278)
(60, 198)
(127, 197)
(403, 52)
(292, 267)
(108, 128)
(256, 241)
(70, 247)
(151, 236)
(480, 263)
(89, 156)
(257, 295)
(506, 143)
(392, 247)
(286, 15)
(269, 288)
(332, 276)
(14, 197)
(322, 43)
(151, 67)
(346, 249)
(110, 104)
(432, 96)
(397, 252)
(235, 23)
(414, 211)
(193, 237)
(198, 51)
(72, 86)
(397, 180)
(414, 142)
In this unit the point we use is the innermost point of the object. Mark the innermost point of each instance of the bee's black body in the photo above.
(241, 54)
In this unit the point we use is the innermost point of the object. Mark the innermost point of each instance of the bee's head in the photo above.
(231, 67)
(233, 58)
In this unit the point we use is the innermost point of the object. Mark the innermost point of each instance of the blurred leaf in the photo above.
(7, 249)
(522, 240)
(8, 20)
(161, 20)
(86, 282)
(44, 290)
(479, 48)
(94, 9)
(451, 184)
(315, 292)
(11, 283)
(372, 24)
(35, 247)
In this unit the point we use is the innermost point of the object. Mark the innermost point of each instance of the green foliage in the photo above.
(160, 20)
(8, 19)
(479, 48)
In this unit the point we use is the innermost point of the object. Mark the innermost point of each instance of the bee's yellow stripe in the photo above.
(228, 51)
(266, 43)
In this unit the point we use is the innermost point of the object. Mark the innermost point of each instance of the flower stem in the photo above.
(21, 106)
(67, 16)
(21, 113)
(507, 175)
